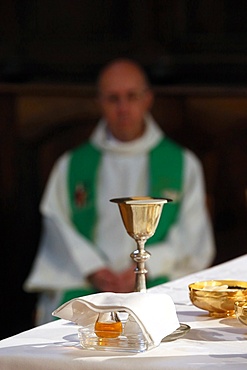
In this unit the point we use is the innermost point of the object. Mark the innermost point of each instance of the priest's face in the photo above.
(124, 98)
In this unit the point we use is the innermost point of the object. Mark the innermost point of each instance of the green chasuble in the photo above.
(165, 180)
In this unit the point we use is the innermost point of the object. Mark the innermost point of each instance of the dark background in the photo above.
(177, 41)
(195, 53)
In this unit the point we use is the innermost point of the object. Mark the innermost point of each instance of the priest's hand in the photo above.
(106, 280)
(127, 280)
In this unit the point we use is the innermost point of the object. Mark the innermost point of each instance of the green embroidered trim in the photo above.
(74, 293)
(166, 180)
(82, 180)
(157, 281)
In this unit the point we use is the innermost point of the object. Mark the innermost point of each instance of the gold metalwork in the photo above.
(140, 216)
(218, 296)
(241, 311)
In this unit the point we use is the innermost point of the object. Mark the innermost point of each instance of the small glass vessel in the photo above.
(108, 325)
(131, 326)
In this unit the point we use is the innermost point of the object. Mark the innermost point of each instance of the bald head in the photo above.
(124, 97)
(119, 69)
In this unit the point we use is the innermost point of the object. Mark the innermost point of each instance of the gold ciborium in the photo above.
(140, 216)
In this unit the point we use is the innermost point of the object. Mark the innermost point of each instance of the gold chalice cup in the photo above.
(140, 216)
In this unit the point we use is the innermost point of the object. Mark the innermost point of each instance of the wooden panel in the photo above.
(216, 114)
(8, 179)
(46, 110)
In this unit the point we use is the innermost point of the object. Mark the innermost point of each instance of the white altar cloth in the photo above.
(210, 344)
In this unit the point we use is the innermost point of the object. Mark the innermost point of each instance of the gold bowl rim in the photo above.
(234, 285)
(140, 200)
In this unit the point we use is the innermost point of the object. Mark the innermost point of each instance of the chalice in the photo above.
(140, 216)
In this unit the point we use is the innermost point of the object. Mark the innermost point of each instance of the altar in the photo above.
(210, 342)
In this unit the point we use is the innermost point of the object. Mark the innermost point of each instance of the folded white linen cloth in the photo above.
(154, 313)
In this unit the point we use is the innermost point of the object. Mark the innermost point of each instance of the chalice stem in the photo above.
(140, 277)
(140, 256)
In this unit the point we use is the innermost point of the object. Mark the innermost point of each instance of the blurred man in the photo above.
(84, 247)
